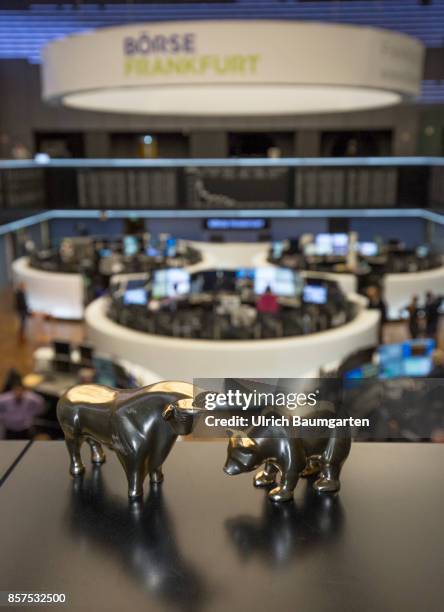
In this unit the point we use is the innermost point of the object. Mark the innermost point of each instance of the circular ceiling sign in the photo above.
(232, 68)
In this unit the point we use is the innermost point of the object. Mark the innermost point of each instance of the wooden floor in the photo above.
(40, 332)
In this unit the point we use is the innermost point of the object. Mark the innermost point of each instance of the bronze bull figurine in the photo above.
(140, 425)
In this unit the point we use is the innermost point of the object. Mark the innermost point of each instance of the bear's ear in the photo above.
(168, 411)
(242, 441)
(248, 443)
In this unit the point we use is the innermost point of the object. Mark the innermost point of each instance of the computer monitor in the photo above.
(152, 251)
(171, 247)
(315, 294)
(417, 366)
(137, 297)
(62, 348)
(281, 281)
(364, 372)
(105, 252)
(367, 249)
(390, 353)
(245, 274)
(419, 348)
(422, 251)
(331, 244)
(170, 283)
(130, 246)
(277, 249)
(105, 373)
(409, 358)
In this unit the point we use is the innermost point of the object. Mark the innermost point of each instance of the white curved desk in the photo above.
(60, 295)
(185, 359)
(57, 294)
(400, 288)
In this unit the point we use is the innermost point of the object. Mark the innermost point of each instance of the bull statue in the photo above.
(140, 425)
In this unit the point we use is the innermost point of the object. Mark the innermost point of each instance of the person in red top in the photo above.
(268, 303)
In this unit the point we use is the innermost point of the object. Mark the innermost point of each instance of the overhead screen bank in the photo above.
(275, 184)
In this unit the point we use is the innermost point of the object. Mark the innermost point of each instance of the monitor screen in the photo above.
(367, 249)
(331, 244)
(388, 353)
(281, 281)
(417, 366)
(105, 252)
(315, 294)
(171, 247)
(105, 373)
(364, 372)
(62, 348)
(136, 296)
(410, 358)
(170, 283)
(245, 273)
(422, 251)
(130, 246)
(277, 249)
(419, 348)
(392, 369)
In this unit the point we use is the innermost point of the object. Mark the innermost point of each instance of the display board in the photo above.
(101, 188)
(22, 188)
(234, 184)
(346, 187)
(237, 187)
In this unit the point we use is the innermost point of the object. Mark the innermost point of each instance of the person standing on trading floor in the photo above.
(268, 303)
(21, 307)
(413, 321)
(431, 309)
(17, 411)
(376, 302)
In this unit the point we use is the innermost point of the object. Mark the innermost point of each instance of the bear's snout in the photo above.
(231, 468)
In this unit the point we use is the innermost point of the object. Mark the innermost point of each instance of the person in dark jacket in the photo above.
(22, 310)
(431, 309)
(413, 321)
(376, 302)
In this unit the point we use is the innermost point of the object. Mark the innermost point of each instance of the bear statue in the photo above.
(286, 458)
(140, 425)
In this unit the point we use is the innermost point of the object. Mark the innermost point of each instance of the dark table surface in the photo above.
(9, 451)
(212, 542)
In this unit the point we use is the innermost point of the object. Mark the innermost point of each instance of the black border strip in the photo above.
(14, 464)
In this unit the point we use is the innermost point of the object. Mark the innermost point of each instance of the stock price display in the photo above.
(221, 187)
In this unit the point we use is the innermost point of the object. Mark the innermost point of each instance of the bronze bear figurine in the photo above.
(288, 457)
(140, 425)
